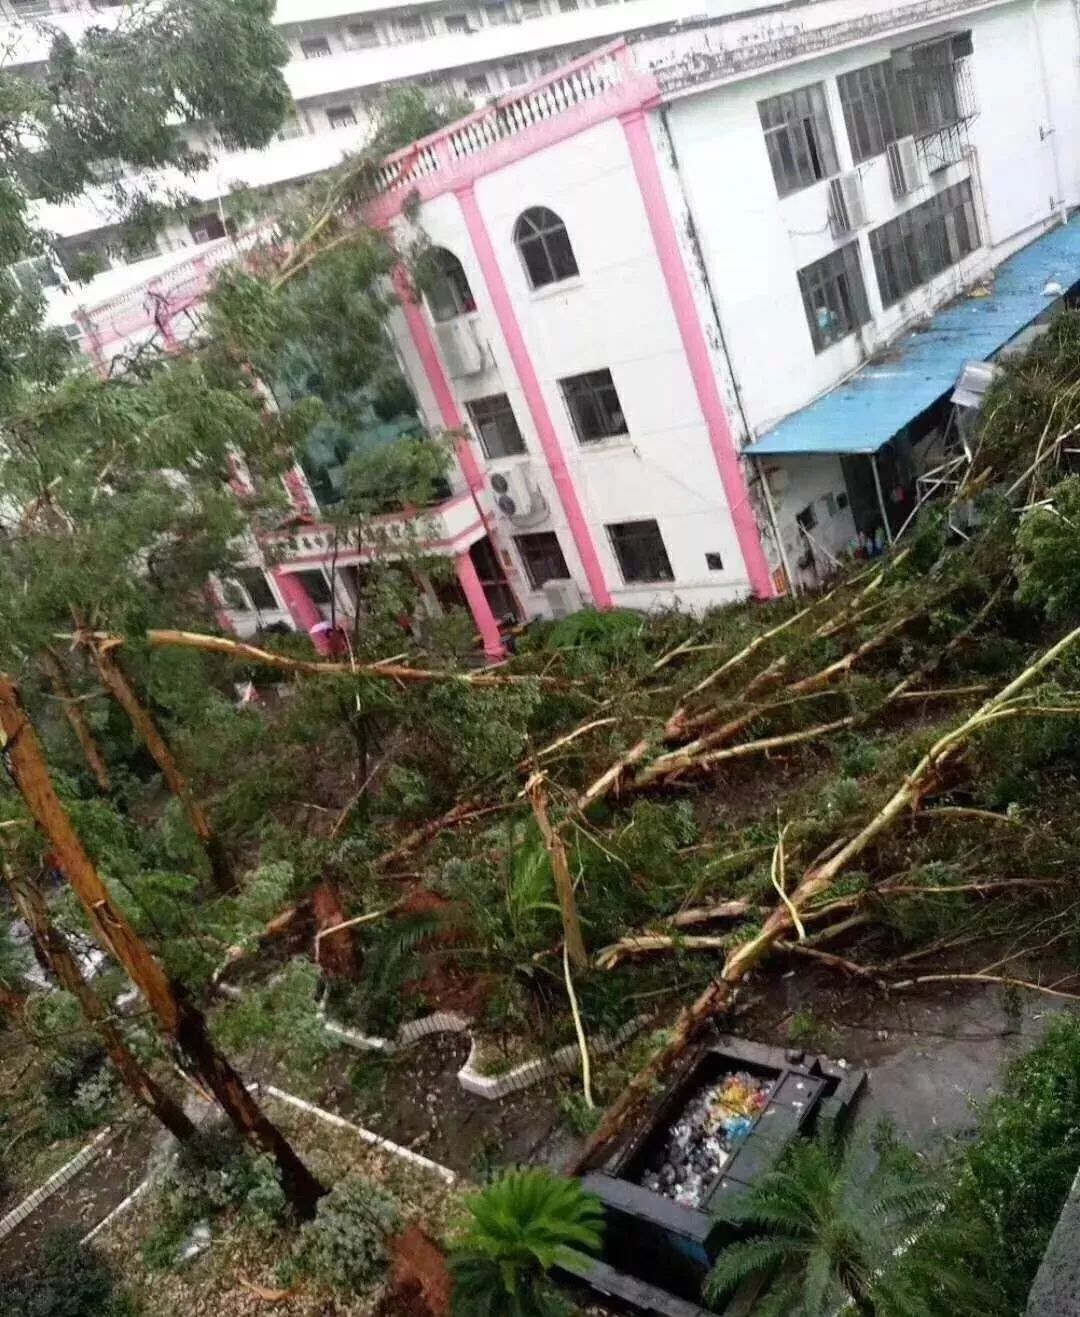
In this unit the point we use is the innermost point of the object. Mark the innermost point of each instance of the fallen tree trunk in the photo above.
(335, 943)
(815, 883)
(73, 712)
(176, 1015)
(264, 658)
(117, 683)
(142, 1086)
(560, 868)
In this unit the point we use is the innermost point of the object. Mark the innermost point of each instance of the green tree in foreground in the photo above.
(519, 1228)
(831, 1218)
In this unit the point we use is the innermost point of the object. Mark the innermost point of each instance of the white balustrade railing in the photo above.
(584, 80)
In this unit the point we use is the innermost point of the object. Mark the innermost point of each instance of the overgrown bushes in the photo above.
(62, 1278)
(1012, 1183)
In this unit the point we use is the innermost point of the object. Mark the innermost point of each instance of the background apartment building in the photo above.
(343, 54)
(706, 296)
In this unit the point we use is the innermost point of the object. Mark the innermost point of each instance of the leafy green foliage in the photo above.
(829, 1218)
(345, 1245)
(279, 1022)
(1048, 554)
(519, 1228)
(63, 1278)
(1012, 1182)
(212, 1174)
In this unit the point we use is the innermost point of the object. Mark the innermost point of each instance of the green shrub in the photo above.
(345, 1245)
(1013, 1181)
(212, 1174)
(63, 1278)
(520, 1227)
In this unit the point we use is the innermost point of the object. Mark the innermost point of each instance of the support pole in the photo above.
(881, 498)
(774, 522)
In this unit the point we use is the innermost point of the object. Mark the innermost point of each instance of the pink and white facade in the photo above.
(640, 260)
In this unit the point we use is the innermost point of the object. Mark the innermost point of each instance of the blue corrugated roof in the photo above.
(865, 412)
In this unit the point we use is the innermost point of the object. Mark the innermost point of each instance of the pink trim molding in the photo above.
(696, 348)
(534, 397)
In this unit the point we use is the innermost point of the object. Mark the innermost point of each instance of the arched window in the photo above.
(545, 248)
(448, 292)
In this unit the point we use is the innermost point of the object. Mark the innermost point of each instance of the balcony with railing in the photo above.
(586, 91)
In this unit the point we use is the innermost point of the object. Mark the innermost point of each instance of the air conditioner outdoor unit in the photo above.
(906, 173)
(563, 598)
(516, 498)
(847, 205)
(458, 346)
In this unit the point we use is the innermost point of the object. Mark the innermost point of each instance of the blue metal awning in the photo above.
(864, 413)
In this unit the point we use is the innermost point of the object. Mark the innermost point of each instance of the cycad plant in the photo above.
(833, 1220)
(519, 1228)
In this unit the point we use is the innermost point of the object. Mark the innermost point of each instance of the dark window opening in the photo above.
(834, 296)
(448, 292)
(639, 547)
(258, 589)
(316, 585)
(542, 558)
(315, 47)
(496, 425)
(798, 137)
(541, 238)
(594, 406)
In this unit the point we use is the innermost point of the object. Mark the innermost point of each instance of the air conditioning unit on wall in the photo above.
(459, 348)
(563, 598)
(517, 498)
(906, 170)
(847, 204)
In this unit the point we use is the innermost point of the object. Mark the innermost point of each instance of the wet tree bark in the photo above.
(76, 718)
(31, 905)
(336, 951)
(176, 1015)
(117, 683)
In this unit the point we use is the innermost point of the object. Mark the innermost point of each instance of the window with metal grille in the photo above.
(798, 137)
(447, 286)
(496, 425)
(541, 238)
(834, 296)
(257, 589)
(477, 84)
(594, 406)
(639, 547)
(341, 116)
(315, 47)
(542, 558)
(913, 248)
(874, 109)
(458, 24)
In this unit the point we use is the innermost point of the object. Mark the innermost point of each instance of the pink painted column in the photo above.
(303, 611)
(534, 397)
(449, 411)
(479, 606)
(696, 348)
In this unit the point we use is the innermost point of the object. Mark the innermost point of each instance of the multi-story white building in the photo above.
(706, 295)
(343, 53)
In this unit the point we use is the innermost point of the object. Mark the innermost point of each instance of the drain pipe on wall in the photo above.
(1060, 204)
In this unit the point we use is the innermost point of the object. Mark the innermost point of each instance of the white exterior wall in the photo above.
(617, 315)
(754, 242)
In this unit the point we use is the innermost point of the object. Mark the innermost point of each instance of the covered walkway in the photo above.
(863, 414)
